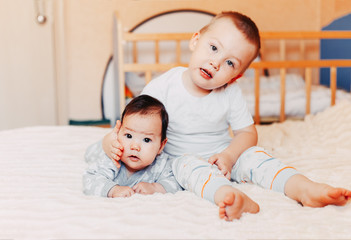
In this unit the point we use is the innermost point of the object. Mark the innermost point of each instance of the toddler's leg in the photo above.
(259, 167)
(205, 180)
(313, 194)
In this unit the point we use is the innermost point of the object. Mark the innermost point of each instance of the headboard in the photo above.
(282, 63)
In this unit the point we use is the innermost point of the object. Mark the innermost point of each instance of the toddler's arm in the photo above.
(242, 140)
(111, 145)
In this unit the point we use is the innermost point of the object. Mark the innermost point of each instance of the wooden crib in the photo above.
(282, 65)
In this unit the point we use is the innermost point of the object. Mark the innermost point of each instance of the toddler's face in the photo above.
(140, 135)
(219, 55)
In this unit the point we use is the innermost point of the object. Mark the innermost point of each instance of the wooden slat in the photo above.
(257, 96)
(308, 85)
(302, 54)
(152, 67)
(135, 52)
(258, 65)
(148, 76)
(306, 35)
(282, 94)
(156, 36)
(282, 50)
(302, 63)
(157, 51)
(262, 51)
(333, 84)
(178, 52)
(264, 35)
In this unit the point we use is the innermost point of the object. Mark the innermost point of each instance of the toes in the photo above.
(229, 198)
(222, 212)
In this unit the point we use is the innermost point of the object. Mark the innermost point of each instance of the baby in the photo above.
(144, 168)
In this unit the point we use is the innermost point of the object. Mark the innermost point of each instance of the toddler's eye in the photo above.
(213, 48)
(147, 140)
(230, 63)
(128, 135)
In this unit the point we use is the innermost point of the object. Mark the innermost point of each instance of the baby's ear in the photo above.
(235, 78)
(163, 143)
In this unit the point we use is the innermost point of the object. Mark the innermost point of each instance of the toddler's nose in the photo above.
(215, 65)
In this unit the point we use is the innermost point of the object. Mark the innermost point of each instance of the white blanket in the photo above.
(41, 197)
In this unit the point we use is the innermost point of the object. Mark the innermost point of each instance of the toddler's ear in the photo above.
(193, 41)
(234, 79)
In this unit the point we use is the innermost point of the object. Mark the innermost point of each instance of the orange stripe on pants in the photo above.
(278, 173)
(264, 153)
(203, 187)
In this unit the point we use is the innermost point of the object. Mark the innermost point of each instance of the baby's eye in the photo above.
(230, 63)
(147, 140)
(128, 135)
(213, 48)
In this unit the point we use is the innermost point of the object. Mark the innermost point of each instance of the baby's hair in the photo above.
(243, 23)
(145, 104)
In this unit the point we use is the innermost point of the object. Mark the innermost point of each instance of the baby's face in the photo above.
(219, 55)
(140, 135)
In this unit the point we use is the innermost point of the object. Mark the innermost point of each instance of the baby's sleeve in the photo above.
(99, 178)
(94, 152)
(167, 179)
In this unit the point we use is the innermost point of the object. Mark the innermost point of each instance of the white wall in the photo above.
(27, 79)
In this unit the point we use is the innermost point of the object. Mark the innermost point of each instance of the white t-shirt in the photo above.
(198, 125)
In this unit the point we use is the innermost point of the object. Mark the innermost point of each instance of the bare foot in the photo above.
(313, 194)
(233, 203)
(323, 195)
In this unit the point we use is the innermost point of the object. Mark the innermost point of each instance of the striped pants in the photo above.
(254, 165)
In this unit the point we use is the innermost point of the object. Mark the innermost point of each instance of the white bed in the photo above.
(41, 195)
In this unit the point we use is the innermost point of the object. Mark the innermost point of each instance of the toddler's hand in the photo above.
(223, 162)
(120, 191)
(112, 146)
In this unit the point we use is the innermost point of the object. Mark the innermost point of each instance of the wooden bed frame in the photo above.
(283, 65)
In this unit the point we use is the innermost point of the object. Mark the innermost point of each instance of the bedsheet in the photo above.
(41, 189)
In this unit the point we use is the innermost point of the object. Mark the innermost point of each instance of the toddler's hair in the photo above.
(145, 104)
(243, 23)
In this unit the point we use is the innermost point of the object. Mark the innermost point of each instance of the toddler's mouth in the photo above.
(207, 73)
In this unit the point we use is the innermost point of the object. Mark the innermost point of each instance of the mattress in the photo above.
(41, 189)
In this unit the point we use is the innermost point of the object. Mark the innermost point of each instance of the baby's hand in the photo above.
(112, 146)
(148, 188)
(120, 191)
(223, 162)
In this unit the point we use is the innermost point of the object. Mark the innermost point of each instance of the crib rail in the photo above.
(282, 64)
(307, 65)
